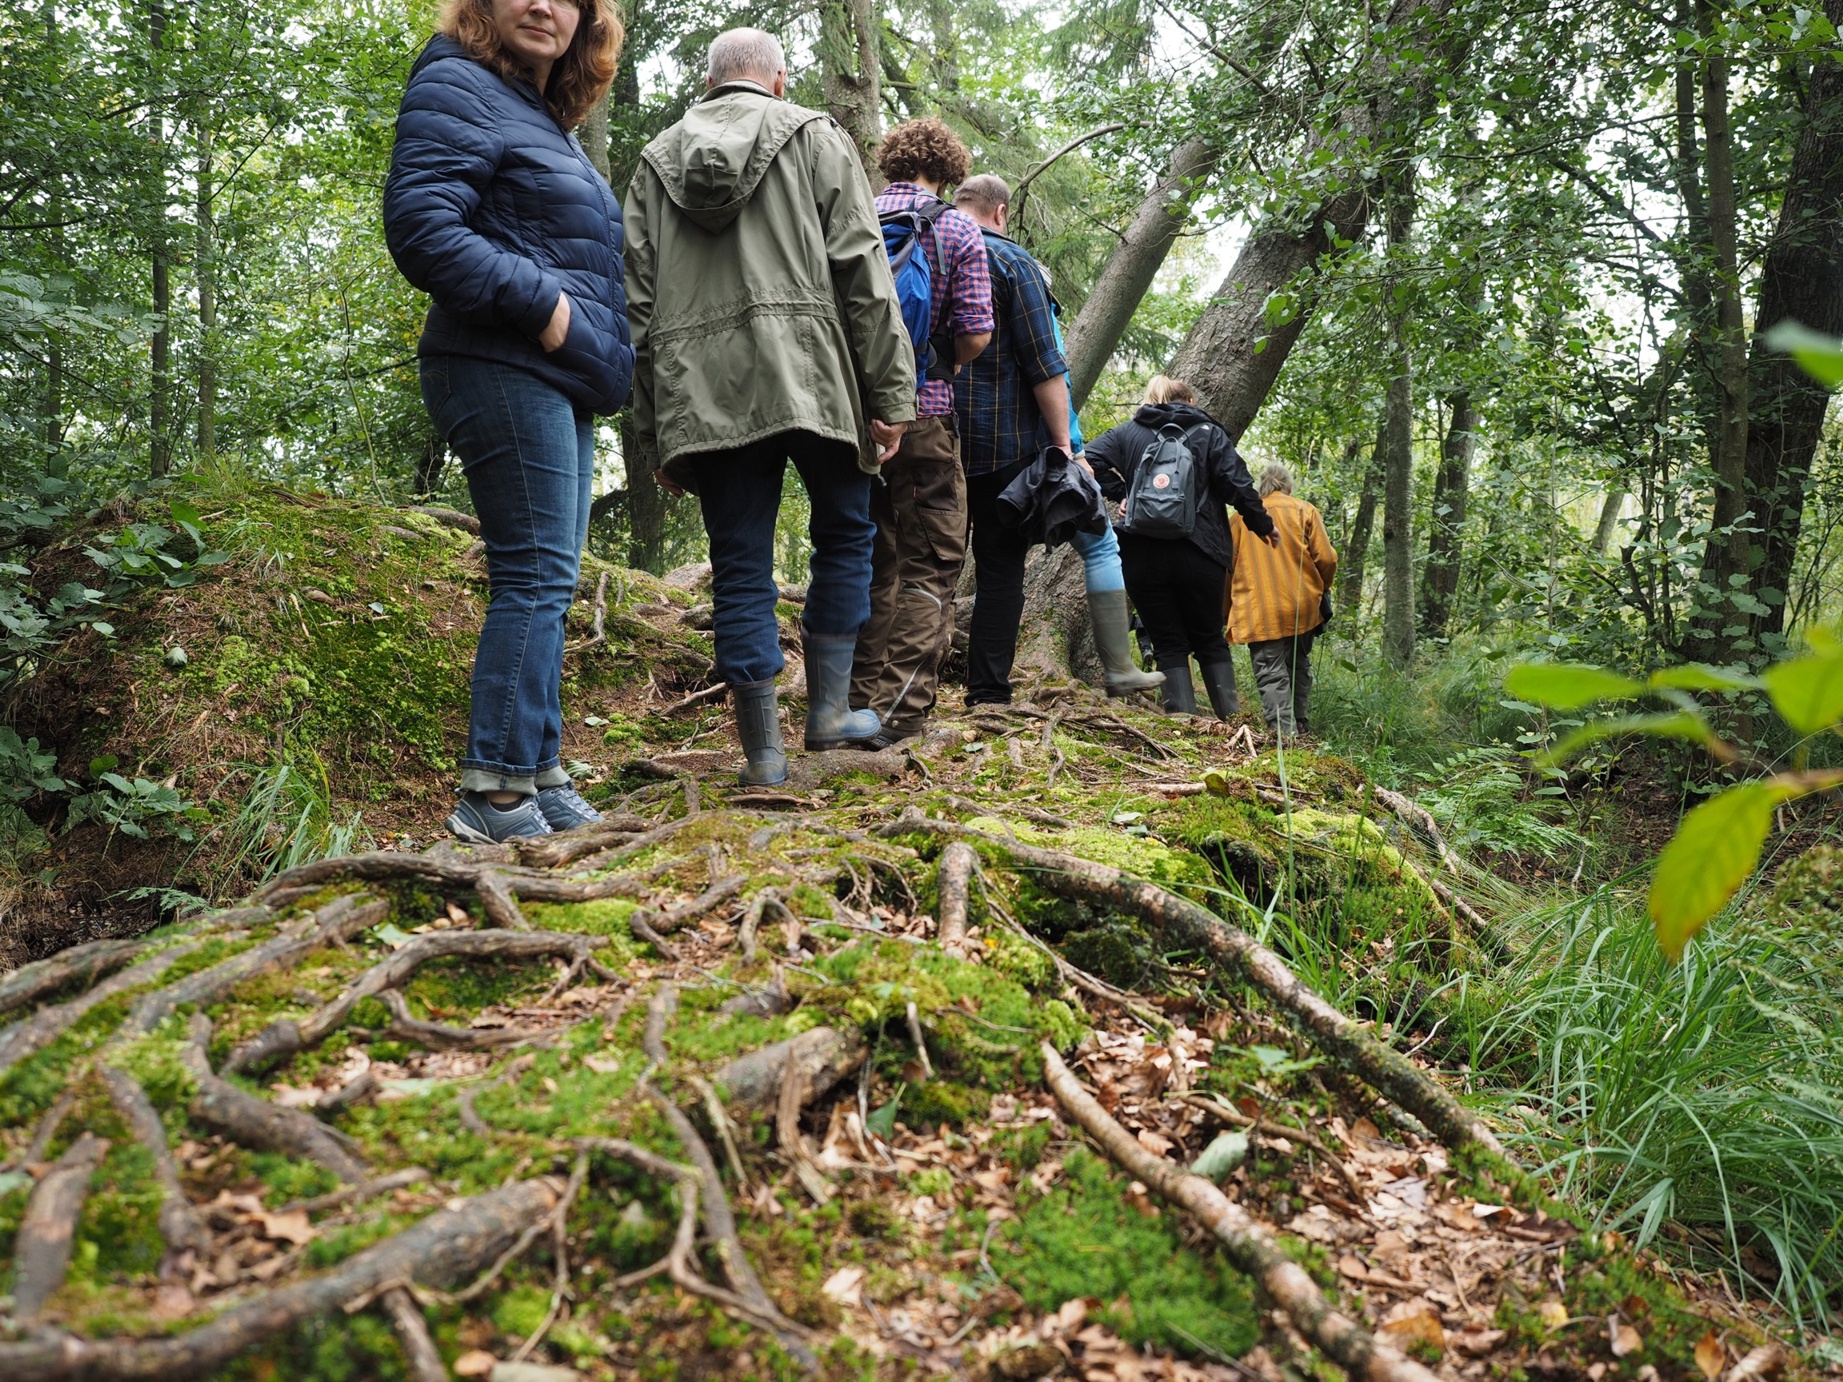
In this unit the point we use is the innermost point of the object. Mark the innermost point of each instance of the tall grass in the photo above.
(285, 818)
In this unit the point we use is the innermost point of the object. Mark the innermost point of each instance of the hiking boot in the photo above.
(480, 822)
(1219, 682)
(1113, 642)
(758, 723)
(886, 738)
(1180, 694)
(831, 723)
(565, 808)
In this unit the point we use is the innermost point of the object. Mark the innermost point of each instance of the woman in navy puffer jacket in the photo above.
(493, 209)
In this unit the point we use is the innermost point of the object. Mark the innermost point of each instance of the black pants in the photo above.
(1178, 593)
(998, 570)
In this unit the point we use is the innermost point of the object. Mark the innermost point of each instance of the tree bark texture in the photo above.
(205, 279)
(1135, 262)
(1355, 555)
(1398, 453)
(41, 1256)
(646, 508)
(160, 451)
(848, 49)
(1801, 280)
(1441, 576)
(1236, 349)
(1608, 525)
(595, 136)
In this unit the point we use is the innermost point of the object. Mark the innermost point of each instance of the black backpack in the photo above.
(1162, 499)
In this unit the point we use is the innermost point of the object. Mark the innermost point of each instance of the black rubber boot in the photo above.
(1180, 693)
(758, 722)
(1219, 682)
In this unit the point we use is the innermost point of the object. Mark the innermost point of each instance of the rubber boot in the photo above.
(1180, 694)
(1219, 682)
(831, 723)
(1113, 641)
(758, 722)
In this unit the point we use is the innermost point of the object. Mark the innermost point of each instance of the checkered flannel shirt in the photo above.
(999, 420)
(962, 285)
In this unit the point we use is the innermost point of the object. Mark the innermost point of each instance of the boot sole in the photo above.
(821, 745)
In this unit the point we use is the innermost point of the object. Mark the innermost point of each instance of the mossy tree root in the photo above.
(1246, 960)
(439, 1036)
(180, 1225)
(33, 1034)
(819, 1058)
(679, 917)
(954, 882)
(446, 1247)
(83, 964)
(257, 1123)
(498, 886)
(41, 1255)
(285, 1037)
(424, 1360)
(1249, 1245)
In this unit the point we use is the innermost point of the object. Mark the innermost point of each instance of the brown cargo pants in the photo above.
(920, 513)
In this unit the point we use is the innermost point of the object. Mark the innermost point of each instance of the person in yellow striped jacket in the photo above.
(1276, 599)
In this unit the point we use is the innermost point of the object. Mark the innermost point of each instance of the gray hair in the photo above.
(987, 191)
(1275, 476)
(745, 55)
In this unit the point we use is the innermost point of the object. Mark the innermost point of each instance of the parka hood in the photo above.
(711, 162)
(1156, 415)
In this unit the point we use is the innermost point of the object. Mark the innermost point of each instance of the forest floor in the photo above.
(760, 1083)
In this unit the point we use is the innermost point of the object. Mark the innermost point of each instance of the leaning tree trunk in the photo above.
(1801, 280)
(1135, 262)
(1449, 496)
(1236, 349)
(1398, 448)
(848, 49)
(1362, 528)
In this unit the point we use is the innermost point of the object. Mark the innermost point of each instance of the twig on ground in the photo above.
(599, 627)
(1008, 808)
(559, 1242)
(696, 698)
(1417, 816)
(354, 1091)
(921, 1045)
(357, 1194)
(441, 1036)
(1228, 1113)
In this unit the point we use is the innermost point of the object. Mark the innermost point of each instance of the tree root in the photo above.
(340, 920)
(256, 1122)
(358, 1194)
(285, 1037)
(180, 1225)
(1350, 1045)
(820, 1057)
(1249, 1245)
(45, 1026)
(41, 1255)
(442, 1037)
(419, 1351)
(84, 964)
(446, 1246)
(954, 881)
(677, 918)
(566, 847)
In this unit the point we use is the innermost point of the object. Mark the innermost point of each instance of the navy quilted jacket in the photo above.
(492, 210)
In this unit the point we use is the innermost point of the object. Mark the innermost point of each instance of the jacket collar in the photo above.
(740, 84)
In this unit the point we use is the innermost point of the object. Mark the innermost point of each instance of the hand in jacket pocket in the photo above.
(557, 330)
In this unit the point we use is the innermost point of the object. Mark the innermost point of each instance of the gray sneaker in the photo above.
(478, 820)
(566, 808)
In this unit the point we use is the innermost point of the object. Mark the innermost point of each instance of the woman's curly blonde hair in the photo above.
(580, 78)
(926, 147)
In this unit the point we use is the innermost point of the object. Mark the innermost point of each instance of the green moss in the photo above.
(942, 1101)
(519, 1311)
(1084, 1240)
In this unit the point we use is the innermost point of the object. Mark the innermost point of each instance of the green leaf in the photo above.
(1694, 676)
(1808, 691)
(1569, 685)
(1711, 855)
(882, 1120)
(1221, 1157)
(1680, 725)
(1818, 355)
(103, 763)
(183, 512)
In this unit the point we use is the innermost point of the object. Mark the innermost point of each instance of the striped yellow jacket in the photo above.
(1274, 592)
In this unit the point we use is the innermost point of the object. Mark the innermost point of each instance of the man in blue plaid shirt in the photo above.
(1012, 402)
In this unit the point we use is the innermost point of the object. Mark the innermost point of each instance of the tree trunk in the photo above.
(1236, 349)
(1130, 269)
(1362, 528)
(159, 459)
(646, 508)
(429, 464)
(1398, 450)
(1449, 496)
(595, 136)
(1610, 509)
(848, 49)
(1729, 553)
(205, 274)
(1801, 280)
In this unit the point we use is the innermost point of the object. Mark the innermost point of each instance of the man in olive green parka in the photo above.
(766, 329)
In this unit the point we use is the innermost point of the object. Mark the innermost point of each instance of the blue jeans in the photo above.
(529, 458)
(1100, 560)
(740, 494)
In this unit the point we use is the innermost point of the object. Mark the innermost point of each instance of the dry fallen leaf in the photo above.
(478, 1363)
(602, 1065)
(1622, 1338)
(846, 1285)
(1414, 1322)
(1155, 1143)
(1552, 1313)
(291, 1227)
(1476, 1343)
(1711, 1357)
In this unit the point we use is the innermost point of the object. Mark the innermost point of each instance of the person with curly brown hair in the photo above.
(920, 509)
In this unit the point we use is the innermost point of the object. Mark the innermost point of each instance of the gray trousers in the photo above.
(1283, 672)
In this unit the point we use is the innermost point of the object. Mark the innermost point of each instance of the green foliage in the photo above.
(1818, 355)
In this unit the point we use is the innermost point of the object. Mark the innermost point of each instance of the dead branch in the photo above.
(451, 518)
(354, 1091)
(419, 1351)
(358, 1194)
(38, 1031)
(921, 1043)
(180, 1225)
(284, 1037)
(441, 1036)
(1226, 1112)
(1414, 814)
(697, 698)
(954, 881)
(823, 1056)
(41, 1254)
(681, 916)
(1349, 1044)
(256, 1122)
(340, 920)
(448, 1245)
(1250, 1245)
(81, 964)
(599, 616)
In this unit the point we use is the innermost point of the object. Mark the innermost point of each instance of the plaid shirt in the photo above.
(962, 285)
(999, 421)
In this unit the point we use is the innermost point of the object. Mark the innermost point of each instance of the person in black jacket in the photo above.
(1176, 582)
(493, 209)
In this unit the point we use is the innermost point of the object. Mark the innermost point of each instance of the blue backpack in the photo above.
(914, 275)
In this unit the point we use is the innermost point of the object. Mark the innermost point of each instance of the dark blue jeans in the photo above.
(740, 494)
(529, 458)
